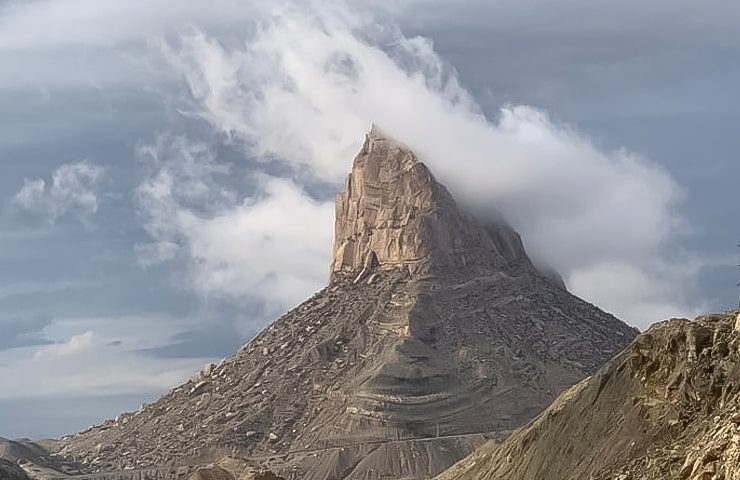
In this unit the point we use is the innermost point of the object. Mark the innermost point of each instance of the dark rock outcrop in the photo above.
(11, 471)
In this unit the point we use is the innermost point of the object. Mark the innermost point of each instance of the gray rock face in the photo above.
(14, 450)
(11, 471)
(434, 334)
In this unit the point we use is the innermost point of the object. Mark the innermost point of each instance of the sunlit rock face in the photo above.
(434, 333)
(667, 407)
(395, 213)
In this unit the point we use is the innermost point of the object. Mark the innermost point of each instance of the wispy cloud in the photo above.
(294, 85)
(96, 356)
(262, 248)
(72, 192)
(305, 87)
(299, 82)
(50, 24)
(74, 345)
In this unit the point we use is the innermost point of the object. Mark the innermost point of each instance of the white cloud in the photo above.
(648, 293)
(306, 86)
(273, 248)
(71, 192)
(265, 247)
(96, 356)
(301, 83)
(75, 344)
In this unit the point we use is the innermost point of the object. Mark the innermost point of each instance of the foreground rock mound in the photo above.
(434, 334)
(11, 471)
(230, 469)
(665, 408)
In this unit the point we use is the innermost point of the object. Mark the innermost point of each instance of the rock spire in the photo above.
(394, 213)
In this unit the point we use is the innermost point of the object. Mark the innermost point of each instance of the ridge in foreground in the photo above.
(666, 408)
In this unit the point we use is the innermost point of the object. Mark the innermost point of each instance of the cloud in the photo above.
(654, 291)
(295, 85)
(182, 179)
(299, 83)
(71, 193)
(264, 247)
(74, 345)
(97, 356)
(50, 24)
(208, 341)
(22, 331)
(304, 88)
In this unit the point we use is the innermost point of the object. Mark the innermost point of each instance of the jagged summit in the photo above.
(434, 334)
(393, 213)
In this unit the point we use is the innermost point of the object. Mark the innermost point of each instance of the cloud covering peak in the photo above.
(304, 87)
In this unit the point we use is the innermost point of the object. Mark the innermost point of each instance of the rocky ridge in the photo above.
(434, 334)
(666, 408)
(11, 471)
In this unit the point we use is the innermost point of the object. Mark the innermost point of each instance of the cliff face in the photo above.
(434, 334)
(393, 213)
(665, 408)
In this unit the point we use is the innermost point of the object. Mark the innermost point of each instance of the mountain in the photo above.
(435, 333)
(665, 408)
(11, 471)
(23, 459)
(14, 450)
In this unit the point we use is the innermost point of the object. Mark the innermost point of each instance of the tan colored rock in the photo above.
(231, 469)
(434, 334)
(207, 370)
(666, 408)
(394, 208)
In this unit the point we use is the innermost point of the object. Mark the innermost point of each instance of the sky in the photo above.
(168, 169)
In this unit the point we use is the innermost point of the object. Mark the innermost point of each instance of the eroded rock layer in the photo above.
(434, 334)
(667, 408)
(394, 213)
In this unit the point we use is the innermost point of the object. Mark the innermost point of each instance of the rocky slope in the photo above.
(24, 459)
(230, 469)
(665, 408)
(434, 334)
(11, 471)
(15, 450)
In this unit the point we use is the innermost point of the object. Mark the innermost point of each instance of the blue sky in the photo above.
(168, 168)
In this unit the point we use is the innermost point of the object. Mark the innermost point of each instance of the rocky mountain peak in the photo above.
(393, 213)
(435, 334)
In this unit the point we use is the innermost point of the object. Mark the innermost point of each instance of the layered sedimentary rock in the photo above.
(434, 334)
(395, 214)
(666, 408)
